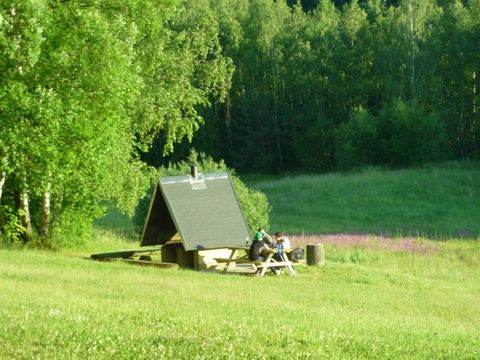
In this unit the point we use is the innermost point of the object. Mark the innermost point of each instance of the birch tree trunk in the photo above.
(25, 217)
(45, 216)
(474, 76)
(228, 120)
(3, 176)
(277, 133)
(412, 53)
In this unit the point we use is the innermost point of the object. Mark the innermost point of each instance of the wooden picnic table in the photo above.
(270, 262)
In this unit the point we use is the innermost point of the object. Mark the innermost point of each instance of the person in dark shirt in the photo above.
(262, 243)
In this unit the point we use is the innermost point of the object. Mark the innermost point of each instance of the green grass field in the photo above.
(440, 201)
(376, 297)
(376, 304)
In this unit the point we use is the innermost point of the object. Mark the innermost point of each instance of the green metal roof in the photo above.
(205, 212)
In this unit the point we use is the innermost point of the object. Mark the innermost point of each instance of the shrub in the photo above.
(356, 141)
(72, 228)
(401, 135)
(254, 203)
(314, 146)
(409, 135)
(11, 228)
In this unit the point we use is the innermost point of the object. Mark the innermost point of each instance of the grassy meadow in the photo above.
(377, 297)
(438, 201)
(364, 303)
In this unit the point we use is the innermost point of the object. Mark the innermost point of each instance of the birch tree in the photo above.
(85, 87)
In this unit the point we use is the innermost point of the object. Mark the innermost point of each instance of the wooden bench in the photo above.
(259, 265)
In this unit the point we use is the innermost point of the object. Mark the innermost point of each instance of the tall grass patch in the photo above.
(438, 201)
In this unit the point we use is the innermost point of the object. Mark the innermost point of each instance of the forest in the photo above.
(346, 84)
(96, 94)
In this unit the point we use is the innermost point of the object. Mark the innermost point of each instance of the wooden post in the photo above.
(315, 254)
(169, 253)
(184, 258)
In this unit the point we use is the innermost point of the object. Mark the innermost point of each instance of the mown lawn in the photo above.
(364, 303)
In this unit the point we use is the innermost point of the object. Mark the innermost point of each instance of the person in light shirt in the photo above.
(282, 243)
(281, 239)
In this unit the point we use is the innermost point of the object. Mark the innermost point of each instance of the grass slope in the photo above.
(388, 305)
(438, 201)
(404, 298)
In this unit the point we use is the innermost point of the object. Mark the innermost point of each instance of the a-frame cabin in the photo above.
(192, 215)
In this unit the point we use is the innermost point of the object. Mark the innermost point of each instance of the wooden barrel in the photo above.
(315, 254)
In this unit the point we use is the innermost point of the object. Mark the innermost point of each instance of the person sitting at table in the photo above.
(261, 247)
(282, 244)
(262, 244)
(267, 238)
(282, 240)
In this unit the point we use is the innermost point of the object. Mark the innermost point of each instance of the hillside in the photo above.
(439, 201)
(374, 298)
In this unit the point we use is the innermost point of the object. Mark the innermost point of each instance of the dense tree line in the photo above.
(341, 84)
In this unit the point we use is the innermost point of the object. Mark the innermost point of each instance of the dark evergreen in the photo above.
(304, 69)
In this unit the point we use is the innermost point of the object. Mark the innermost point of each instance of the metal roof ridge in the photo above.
(183, 178)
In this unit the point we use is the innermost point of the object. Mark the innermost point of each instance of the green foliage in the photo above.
(254, 204)
(72, 132)
(301, 76)
(396, 306)
(401, 135)
(409, 136)
(179, 58)
(114, 221)
(357, 141)
(74, 121)
(314, 147)
(11, 226)
(72, 222)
